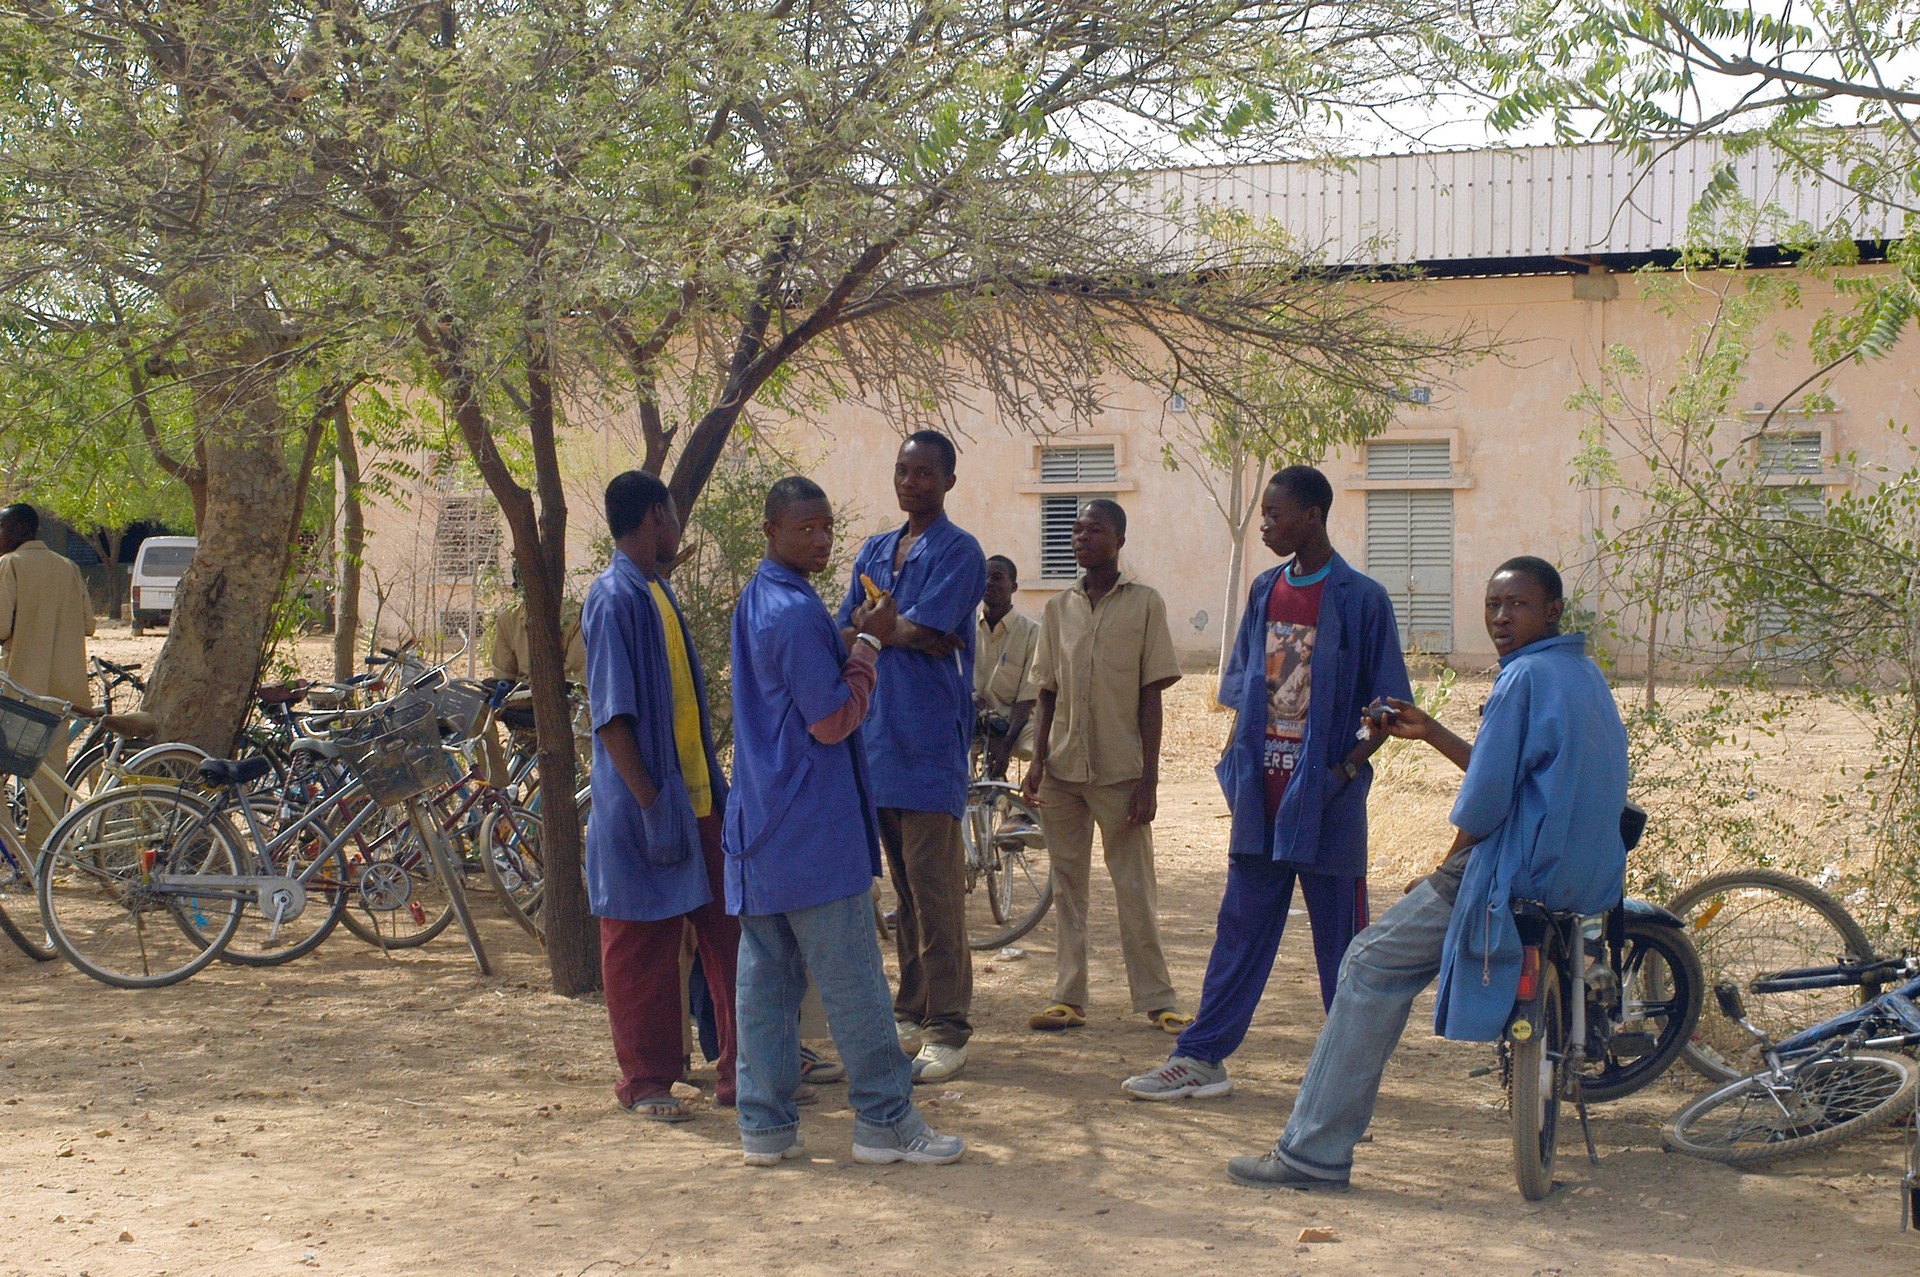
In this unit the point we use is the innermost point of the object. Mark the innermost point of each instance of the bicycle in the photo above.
(1748, 922)
(37, 784)
(142, 887)
(1605, 1005)
(1818, 1087)
(1009, 880)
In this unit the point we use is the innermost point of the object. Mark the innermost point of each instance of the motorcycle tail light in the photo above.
(1529, 973)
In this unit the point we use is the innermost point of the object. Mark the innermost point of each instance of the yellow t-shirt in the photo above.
(686, 708)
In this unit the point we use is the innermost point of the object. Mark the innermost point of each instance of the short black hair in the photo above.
(1305, 486)
(631, 497)
(1110, 511)
(23, 518)
(1008, 564)
(1542, 572)
(791, 490)
(949, 455)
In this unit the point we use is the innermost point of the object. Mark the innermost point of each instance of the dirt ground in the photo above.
(367, 1115)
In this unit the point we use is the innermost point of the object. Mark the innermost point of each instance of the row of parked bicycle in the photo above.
(373, 809)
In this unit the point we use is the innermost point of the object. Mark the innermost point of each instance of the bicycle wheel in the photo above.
(84, 770)
(396, 898)
(171, 764)
(1821, 1101)
(1661, 991)
(19, 910)
(260, 940)
(1537, 1071)
(1750, 923)
(510, 848)
(1008, 852)
(98, 894)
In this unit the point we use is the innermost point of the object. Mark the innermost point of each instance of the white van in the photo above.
(157, 568)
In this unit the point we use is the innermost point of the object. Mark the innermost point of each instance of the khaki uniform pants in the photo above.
(929, 871)
(40, 821)
(1069, 812)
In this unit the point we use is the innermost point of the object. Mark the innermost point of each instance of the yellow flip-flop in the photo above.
(1169, 1021)
(1056, 1017)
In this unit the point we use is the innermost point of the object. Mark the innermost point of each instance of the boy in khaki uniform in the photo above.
(45, 619)
(1104, 657)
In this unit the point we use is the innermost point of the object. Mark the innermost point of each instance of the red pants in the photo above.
(640, 962)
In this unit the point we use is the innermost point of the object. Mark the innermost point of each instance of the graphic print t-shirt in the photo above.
(1293, 618)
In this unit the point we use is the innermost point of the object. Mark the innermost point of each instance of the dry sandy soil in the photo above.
(359, 1114)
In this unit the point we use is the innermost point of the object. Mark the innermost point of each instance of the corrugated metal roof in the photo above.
(1530, 202)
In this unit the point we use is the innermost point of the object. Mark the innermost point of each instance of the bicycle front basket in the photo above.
(26, 734)
(397, 755)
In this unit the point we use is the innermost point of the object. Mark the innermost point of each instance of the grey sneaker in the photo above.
(1268, 1171)
(937, 1063)
(1181, 1078)
(814, 1068)
(908, 1033)
(928, 1148)
(791, 1151)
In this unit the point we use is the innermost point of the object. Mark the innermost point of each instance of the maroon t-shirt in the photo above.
(1293, 619)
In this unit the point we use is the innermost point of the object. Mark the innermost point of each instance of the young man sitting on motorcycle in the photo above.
(1537, 817)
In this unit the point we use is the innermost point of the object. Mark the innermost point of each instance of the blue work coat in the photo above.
(921, 721)
(800, 828)
(1321, 825)
(642, 864)
(1542, 795)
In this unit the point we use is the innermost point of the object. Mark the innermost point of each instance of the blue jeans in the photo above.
(835, 943)
(1386, 967)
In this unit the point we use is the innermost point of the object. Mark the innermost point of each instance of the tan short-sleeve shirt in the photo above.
(1003, 661)
(510, 653)
(44, 622)
(1095, 660)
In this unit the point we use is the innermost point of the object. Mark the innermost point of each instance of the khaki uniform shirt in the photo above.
(44, 622)
(1003, 668)
(1095, 660)
(510, 656)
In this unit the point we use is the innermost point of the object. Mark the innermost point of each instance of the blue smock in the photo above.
(800, 828)
(921, 721)
(1542, 795)
(642, 864)
(1321, 825)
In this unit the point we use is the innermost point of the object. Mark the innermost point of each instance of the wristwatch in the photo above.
(864, 637)
(1350, 769)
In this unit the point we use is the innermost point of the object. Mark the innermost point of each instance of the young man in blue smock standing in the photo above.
(1317, 644)
(918, 737)
(1537, 818)
(803, 851)
(653, 845)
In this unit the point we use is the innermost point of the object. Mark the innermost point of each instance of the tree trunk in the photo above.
(353, 544)
(1237, 518)
(223, 609)
(224, 606)
(540, 551)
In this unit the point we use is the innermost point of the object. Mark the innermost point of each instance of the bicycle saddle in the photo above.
(319, 748)
(136, 725)
(281, 693)
(224, 771)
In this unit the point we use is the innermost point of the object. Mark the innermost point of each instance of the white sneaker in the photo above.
(1180, 1078)
(909, 1034)
(928, 1148)
(937, 1063)
(791, 1151)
